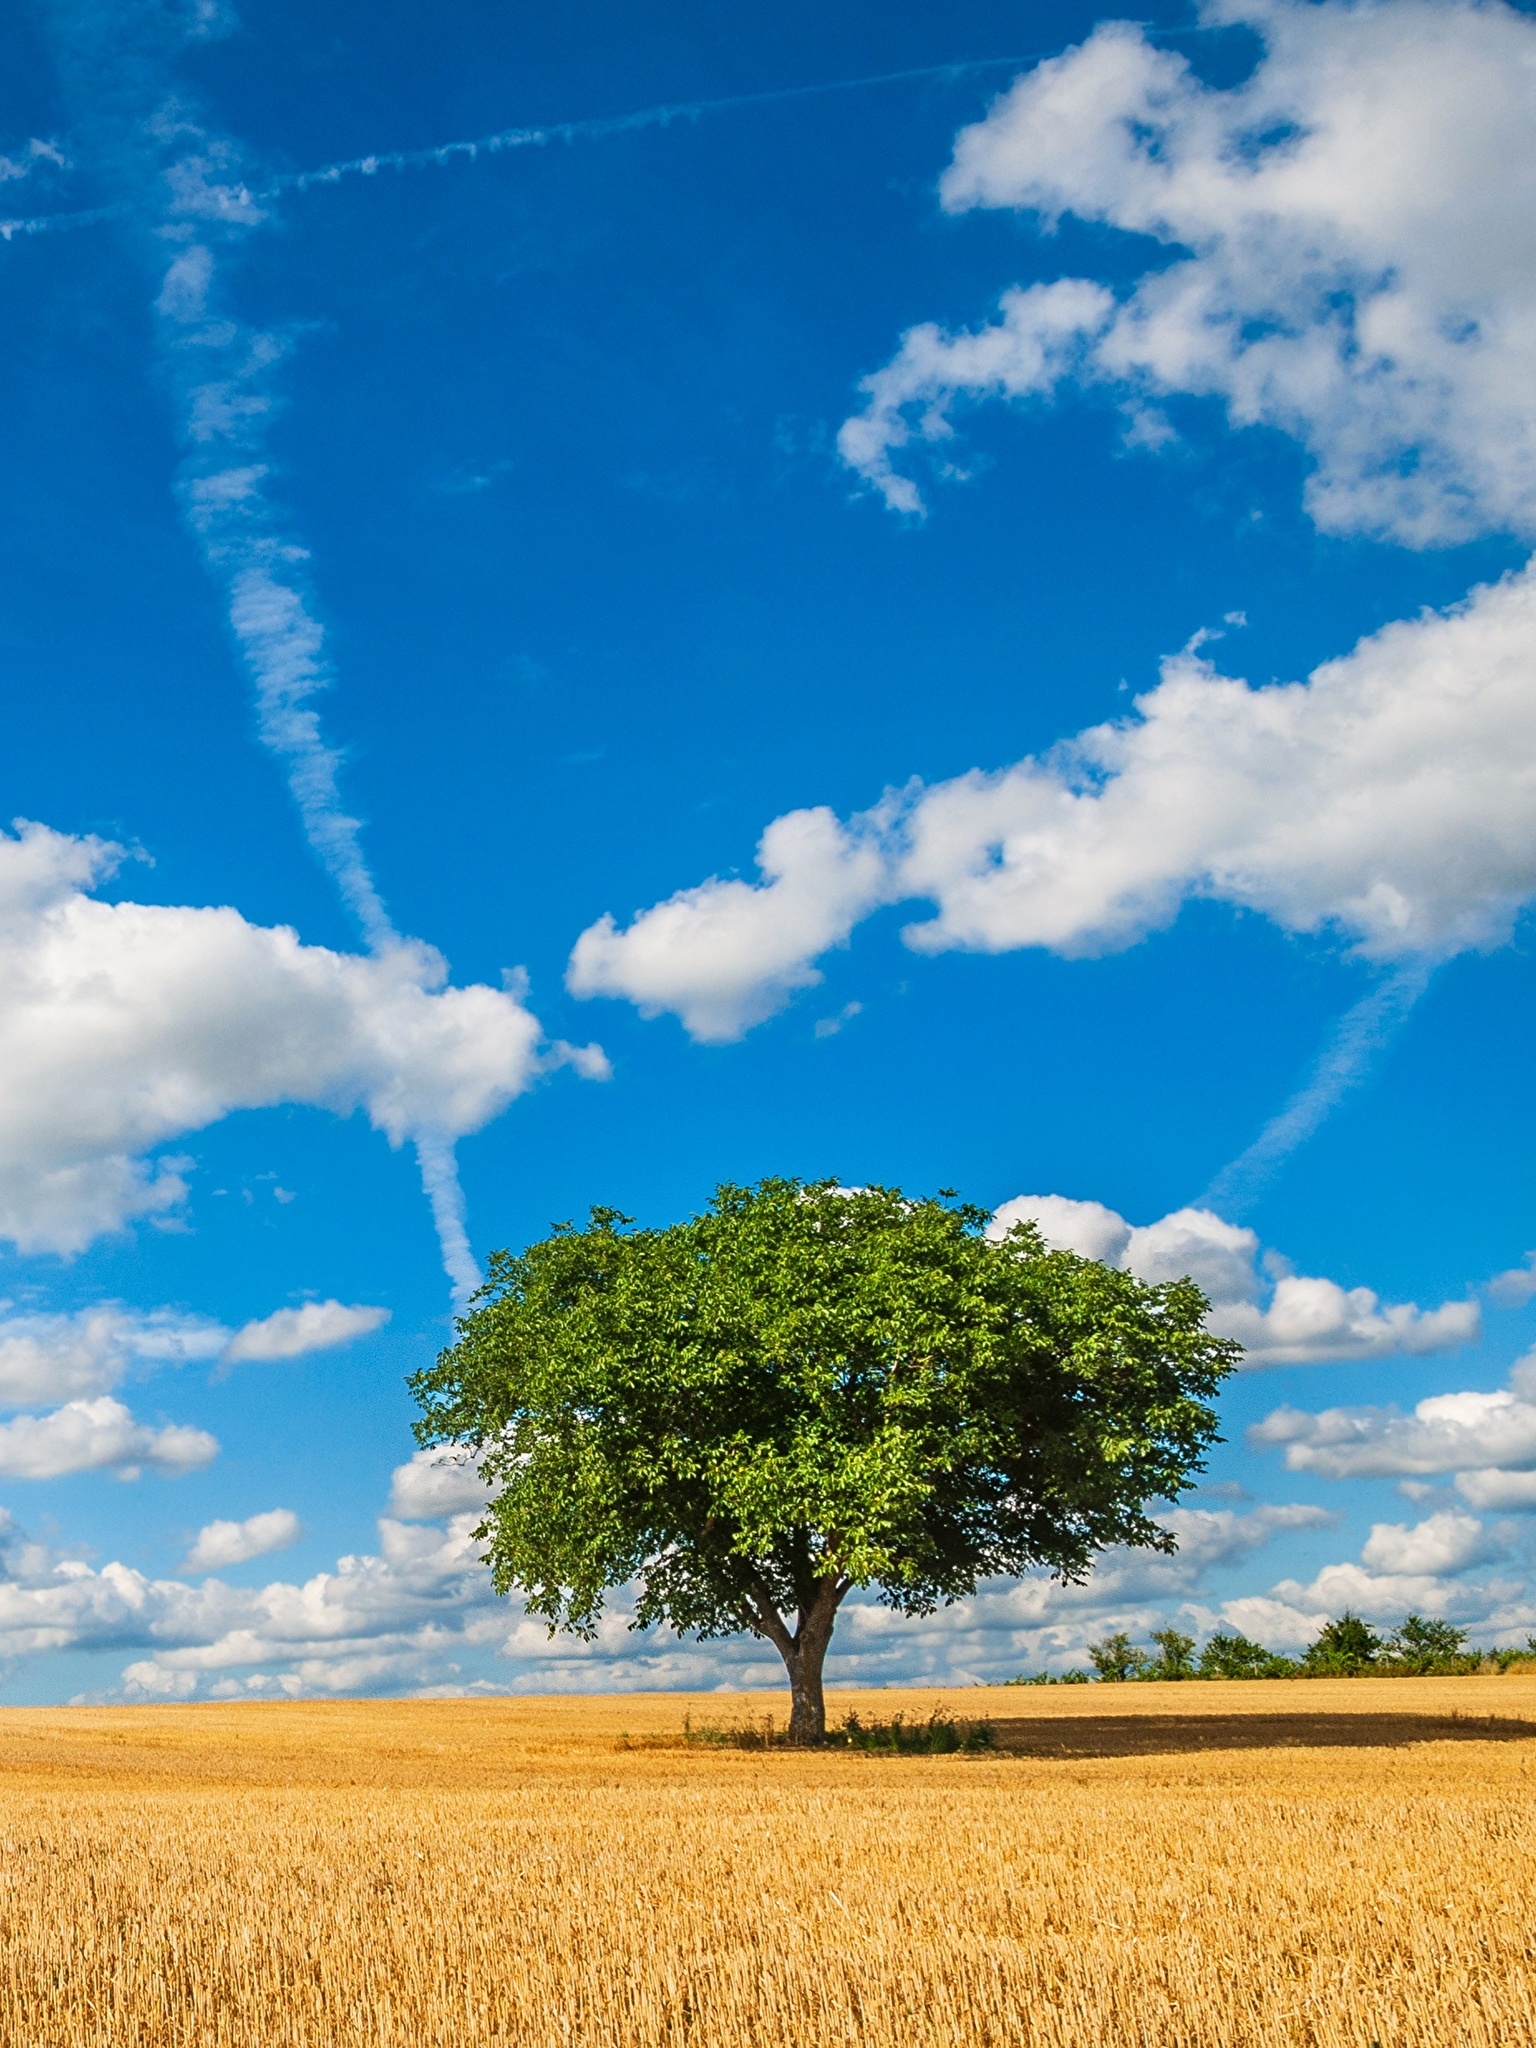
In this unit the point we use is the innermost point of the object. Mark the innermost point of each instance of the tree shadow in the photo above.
(1112, 1735)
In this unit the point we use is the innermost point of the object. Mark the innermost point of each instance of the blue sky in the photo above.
(1068, 486)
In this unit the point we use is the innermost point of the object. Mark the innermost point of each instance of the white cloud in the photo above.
(829, 1027)
(727, 954)
(124, 1025)
(1448, 1542)
(1500, 1493)
(61, 1357)
(1512, 1289)
(1353, 255)
(420, 1615)
(95, 1436)
(1402, 1569)
(1087, 1228)
(1488, 1440)
(440, 1481)
(1390, 799)
(1444, 1432)
(89, 1351)
(1279, 1317)
(1382, 1597)
(1044, 336)
(221, 1544)
(1005, 1627)
(290, 1332)
(27, 159)
(402, 1617)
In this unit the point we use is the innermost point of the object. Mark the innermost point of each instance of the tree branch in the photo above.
(768, 1622)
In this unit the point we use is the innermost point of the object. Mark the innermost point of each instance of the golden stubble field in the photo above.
(1211, 1865)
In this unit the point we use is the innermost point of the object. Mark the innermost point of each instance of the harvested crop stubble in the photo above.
(455, 1874)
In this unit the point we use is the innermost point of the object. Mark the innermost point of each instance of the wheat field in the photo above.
(1214, 1865)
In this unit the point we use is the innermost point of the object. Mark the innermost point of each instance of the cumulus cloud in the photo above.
(1342, 246)
(419, 1614)
(124, 1025)
(72, 1357)
(1488, 1440)
(1004, 1628)
(442, 1480)
(221, 1544)
(401, 1617)
(1448, 1542)
(1279, 1317)
(1390, 799)
(728, 953)
(1402, 1569)
(96, 1436)
(1512, 1289)
(1492, 1491)
(91, 1350)
(290, 1332)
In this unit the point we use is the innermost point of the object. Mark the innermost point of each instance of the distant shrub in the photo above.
(1175, 1656)
(1116, 1659)
(1234, 1656)
(1421, 1648)
(1346, 1648)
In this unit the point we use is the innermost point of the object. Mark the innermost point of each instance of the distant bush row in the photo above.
(1346, 1648)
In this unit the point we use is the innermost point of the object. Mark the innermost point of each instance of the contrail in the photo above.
(445, 1196)
(1353, 1044)
(188, 201)
(221, 371)
(53, 223)
(666, 114)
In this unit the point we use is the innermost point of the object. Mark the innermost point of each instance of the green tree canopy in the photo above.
(1230, 1655)
(809, 1389)
(1344, 1648)
(1423, 1645)
(1117, 1659)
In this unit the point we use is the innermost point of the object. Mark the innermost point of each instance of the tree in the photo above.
(811, 1389)
(1117, 1659)
(1176, 1655)
(1344, 1649)
(1422, 1646)
(1230, 1655)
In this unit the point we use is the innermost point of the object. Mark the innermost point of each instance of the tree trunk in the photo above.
(804, 1654)
(807, 1705)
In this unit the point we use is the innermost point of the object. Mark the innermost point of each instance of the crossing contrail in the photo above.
(1352, 1046)
(665, 114)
